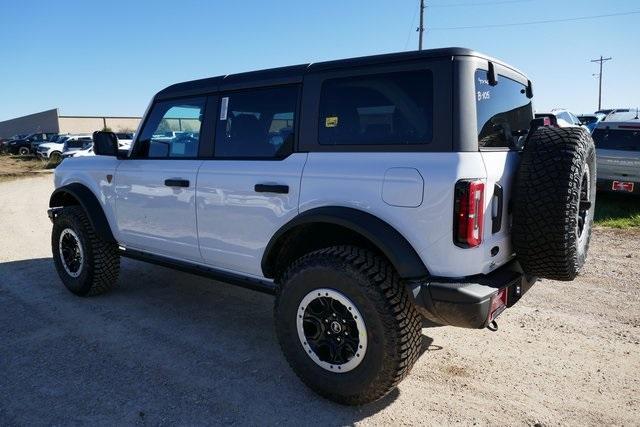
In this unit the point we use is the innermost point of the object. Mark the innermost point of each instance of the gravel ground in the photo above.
(171, 348)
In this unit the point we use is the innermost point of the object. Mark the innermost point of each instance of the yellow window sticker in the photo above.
(331, 122)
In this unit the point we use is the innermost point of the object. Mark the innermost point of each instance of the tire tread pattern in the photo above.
(545, 202)
(400, 317)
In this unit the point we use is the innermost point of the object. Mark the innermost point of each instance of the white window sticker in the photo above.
(224, 106)
(483, 95)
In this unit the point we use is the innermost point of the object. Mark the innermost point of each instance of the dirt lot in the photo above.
(168, 347)
(13, 167)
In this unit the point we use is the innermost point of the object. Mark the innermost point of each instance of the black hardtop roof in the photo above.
(295, 73)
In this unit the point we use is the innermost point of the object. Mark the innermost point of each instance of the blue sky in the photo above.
(110, 57)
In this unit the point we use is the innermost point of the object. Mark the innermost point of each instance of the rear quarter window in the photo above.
(504, 112)
(377, 109)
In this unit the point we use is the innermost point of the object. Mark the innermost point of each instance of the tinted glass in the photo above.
(587, 120)
(257, 123)
(391, 108)
(504, 112)
(627, 140)
(172, 130)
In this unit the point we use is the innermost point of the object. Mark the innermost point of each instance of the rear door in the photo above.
(251, 186)
(156, 185)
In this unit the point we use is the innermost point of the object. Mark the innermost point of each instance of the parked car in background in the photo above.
(52, 150)
(4, 142)
(610, 110)
(77, 142)
(79, 153)
(561, 118)
(27, 144)
(39, 138)
(621, 115)
(618, 156)
(124, 140)
(590, 120)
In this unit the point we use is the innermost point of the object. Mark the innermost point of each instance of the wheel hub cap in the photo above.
(71, 253)
(331, 330)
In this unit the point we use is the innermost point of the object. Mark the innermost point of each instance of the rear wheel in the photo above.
(23, 151)
(346, 324)
(86, 264)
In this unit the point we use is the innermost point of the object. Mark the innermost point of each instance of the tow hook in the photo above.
(493, 326)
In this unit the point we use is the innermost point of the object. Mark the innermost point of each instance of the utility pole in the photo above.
(601, 60)
(421, 27)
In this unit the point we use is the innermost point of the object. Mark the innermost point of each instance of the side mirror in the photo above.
(105, 144)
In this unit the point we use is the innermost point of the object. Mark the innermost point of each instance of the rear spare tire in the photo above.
(553, 202)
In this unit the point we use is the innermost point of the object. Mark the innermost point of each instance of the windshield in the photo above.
(617, 139)
(504, 112)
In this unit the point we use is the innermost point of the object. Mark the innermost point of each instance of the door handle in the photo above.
(271, 188)
(176, 182)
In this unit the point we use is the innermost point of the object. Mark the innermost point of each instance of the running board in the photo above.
(201, 270)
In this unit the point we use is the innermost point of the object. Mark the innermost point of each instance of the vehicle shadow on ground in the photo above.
(164, 347)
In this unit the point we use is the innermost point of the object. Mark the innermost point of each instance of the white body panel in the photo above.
(92, 172)
(357, 180)
(222, 222)
(235, 222)
(152, 216)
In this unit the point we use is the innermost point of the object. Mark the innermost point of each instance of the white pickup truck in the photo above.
(366, 194)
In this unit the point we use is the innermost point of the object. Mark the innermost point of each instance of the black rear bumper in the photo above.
(465, 302)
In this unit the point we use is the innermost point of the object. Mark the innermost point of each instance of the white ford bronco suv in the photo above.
(366, 194)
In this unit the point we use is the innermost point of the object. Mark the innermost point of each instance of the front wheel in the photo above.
(86, 264)
(346, 324)
(55, 157)
(23, 151)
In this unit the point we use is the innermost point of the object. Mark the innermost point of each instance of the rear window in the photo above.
(587, 120)
(504, 112)
(377, 109)
(617, 139)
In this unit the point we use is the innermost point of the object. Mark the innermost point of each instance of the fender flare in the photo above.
(387, 239)
(90, 204)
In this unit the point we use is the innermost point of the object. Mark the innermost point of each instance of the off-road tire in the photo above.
(392, 322)
(101, 266)
(556, 166)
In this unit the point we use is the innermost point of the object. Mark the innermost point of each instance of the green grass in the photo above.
(617, 210)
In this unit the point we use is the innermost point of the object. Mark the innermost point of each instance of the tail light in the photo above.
(468, 213)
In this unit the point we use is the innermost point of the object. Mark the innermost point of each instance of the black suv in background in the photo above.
(28, 144)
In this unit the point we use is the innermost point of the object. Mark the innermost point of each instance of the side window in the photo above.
(377, 109)
(172, 130)
(256, 123)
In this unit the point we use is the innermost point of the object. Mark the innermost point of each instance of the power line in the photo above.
(479, 4)
(411, 26)
(548, 21)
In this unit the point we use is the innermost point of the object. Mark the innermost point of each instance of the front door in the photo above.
(251, 187)
(156, 185)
